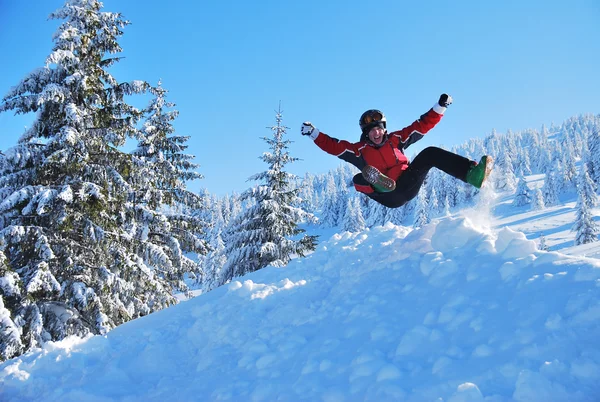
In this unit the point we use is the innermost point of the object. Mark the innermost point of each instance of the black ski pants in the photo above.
(411, 180)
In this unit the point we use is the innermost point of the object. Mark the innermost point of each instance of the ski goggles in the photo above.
(374, 116)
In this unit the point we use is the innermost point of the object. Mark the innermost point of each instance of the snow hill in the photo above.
(457, 311)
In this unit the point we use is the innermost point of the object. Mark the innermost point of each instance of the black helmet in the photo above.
(369, 119)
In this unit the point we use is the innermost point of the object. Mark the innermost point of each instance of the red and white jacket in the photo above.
(389, 157)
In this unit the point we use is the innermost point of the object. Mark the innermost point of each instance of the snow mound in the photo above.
(449, 312)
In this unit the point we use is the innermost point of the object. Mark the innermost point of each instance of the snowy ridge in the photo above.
(450, 312)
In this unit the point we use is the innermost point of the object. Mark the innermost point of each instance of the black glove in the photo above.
(445, 100)
(308, 129)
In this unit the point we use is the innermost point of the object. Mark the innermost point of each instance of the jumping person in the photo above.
(386, 174)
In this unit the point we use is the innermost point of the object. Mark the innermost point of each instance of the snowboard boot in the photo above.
(380, 182)
(478, 172)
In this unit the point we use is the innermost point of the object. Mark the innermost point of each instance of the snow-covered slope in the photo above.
(555, 223)
(453, 312)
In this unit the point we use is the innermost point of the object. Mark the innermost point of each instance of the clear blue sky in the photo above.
(512, 64)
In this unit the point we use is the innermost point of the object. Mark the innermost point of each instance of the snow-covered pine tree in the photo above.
(422, 217)
(522, 194)
(396, 215)
(523, 163)
(586, 187)
(585, 228)
(446, 211)
(165, 218)
(226, 209)
(542, 244)
(343, 195)
(550, 189)
(365, 206)
(492, 143)
(307, 193)
(543, 159)
(353, 219)
(267, 232)
(213, 265)
(330, 210)
(237, 204)
(537, 202)
(378, 214)
(593, 161)
(431, 188)
(65, 189)
(10, 291)
(505, 174)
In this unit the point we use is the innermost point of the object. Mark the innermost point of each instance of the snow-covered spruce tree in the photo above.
(446, 211)
(523, 162)
(330, 211)
(396, 215)
(585, 228)
(378, 214)
(522, 194)
(65, 186)
(165, 220)
(10, 336)
(537, 202)
(343, 195)
(593, 160)
(267, 232)
(550, 188)
(434, 204)
(422, 212)
(505, 177)
(353, 219)
(586, 188)
(213, 264)
(307, 193)
(542, 243)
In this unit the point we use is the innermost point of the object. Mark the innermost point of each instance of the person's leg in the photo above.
(412, 179)
(388, 199)
(361, 184)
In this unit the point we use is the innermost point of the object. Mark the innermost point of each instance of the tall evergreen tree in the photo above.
(422, 214)
(10, 337)
(378, 214)
(586, 188)
(266, 233)
(65, 190)
(522, 194)
(397, 215)
(166, 218)
(550, 188)
(213, 265)
(330, 211)
(585, 228)
(593, 161)
(537, 201)
(353, 219)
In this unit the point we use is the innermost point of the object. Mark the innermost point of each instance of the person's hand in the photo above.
(445, 100)
(308, 129)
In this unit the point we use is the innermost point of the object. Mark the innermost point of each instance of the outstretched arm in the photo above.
(345, 150)
(413, 133)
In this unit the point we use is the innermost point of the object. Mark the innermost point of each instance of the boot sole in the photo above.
(378, 179)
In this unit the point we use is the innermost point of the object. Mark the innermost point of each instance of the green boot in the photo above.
(380, 182)
(480, 171)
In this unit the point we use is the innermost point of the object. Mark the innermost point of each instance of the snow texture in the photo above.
(452, 311)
